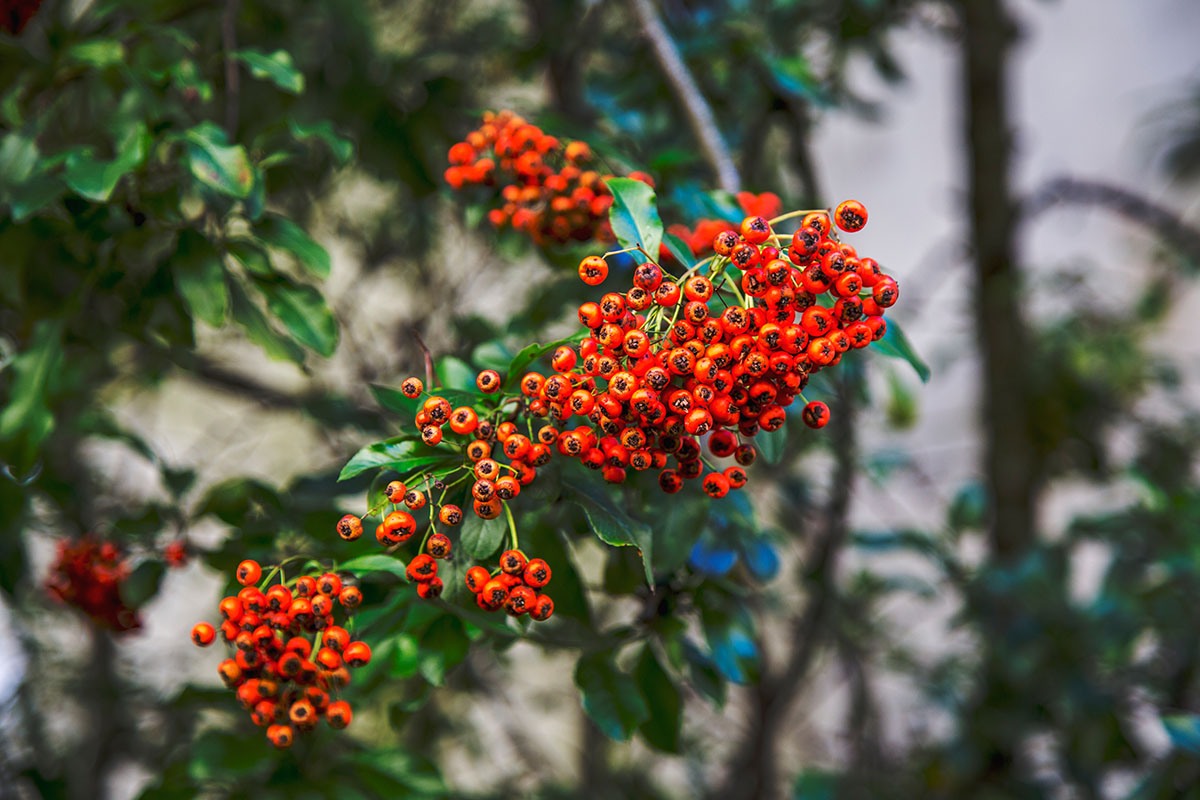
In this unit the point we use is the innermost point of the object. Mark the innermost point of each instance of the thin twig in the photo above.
(232, 85)
(430, 375)
(695, 107)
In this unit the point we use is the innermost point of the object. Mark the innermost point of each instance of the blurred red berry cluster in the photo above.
(88, 575)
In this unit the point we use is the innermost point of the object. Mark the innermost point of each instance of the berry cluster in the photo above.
(515, 586)
(718, 352)
(88, 575)
(283, 677)
(546, 190)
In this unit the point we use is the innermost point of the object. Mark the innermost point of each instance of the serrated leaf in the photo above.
(634, 215)
(609, 697)
(480, 538)
(286, 235)
(896, 345)
(276, 67)
(376, 562)
(200, 278)
(217, 164)
(303, 312)
(661, 728)
(612, 525)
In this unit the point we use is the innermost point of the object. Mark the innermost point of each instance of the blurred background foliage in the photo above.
(167, 170)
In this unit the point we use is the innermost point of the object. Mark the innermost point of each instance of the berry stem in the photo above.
(512, 528)
(802, 212)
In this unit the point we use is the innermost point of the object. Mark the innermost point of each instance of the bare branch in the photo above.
(232, 85)
(695, 107)
(430, 375)
(1066, 190)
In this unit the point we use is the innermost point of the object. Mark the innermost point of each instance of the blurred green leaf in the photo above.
(259, 329)
(200, 278)
(303, 312)
(661, 728)
(895, 344)
(142, 583)
(1184, 731)
(375, 562)
(286, 235)
(98, 53)
(341, 147)
(771, 444)
(609, 696)
(217, 164)
(18, 159)
(276, 67)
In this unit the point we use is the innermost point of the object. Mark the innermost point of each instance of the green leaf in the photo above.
(376, 562)
(634, 215)
(341, 147)
(612, 525)
(480, 538)
(771, 444)
(96, 179)
(32, 196)
(609, 697)
(26, 410)
(303, 312)
(531, 353)
(258, 328)
(98, 52)
(217, 164)
(679, 249)
(492, 355)
(18, 158)
(402, 455)
(276, 67)
(443, 645)
(896, 345)
(661, 728)
(252, 257)
(395, 401)
(286, 235)
(200, 278)
(142, 583)
(455, 373)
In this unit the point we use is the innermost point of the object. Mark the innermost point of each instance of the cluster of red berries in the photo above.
(700, 238)
(285, 679)
(546, 190)
(88, 575)
(513, 585)
(516, 586)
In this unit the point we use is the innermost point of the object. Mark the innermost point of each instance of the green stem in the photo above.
(512, 528)
(800, 213)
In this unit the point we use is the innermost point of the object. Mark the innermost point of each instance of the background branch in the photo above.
(695, 107)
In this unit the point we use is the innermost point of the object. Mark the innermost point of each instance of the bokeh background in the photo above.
(986, 581)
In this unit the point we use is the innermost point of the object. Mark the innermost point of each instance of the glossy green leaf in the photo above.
(401, 455)
(480, 537)
(634, 215)
(217, 164)
(276, 67)
(896, 345)
(454, 373)
(609, 696)
(286, 235)
(661, 728)
(375, 562)
(200, 278)
(530, 353)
